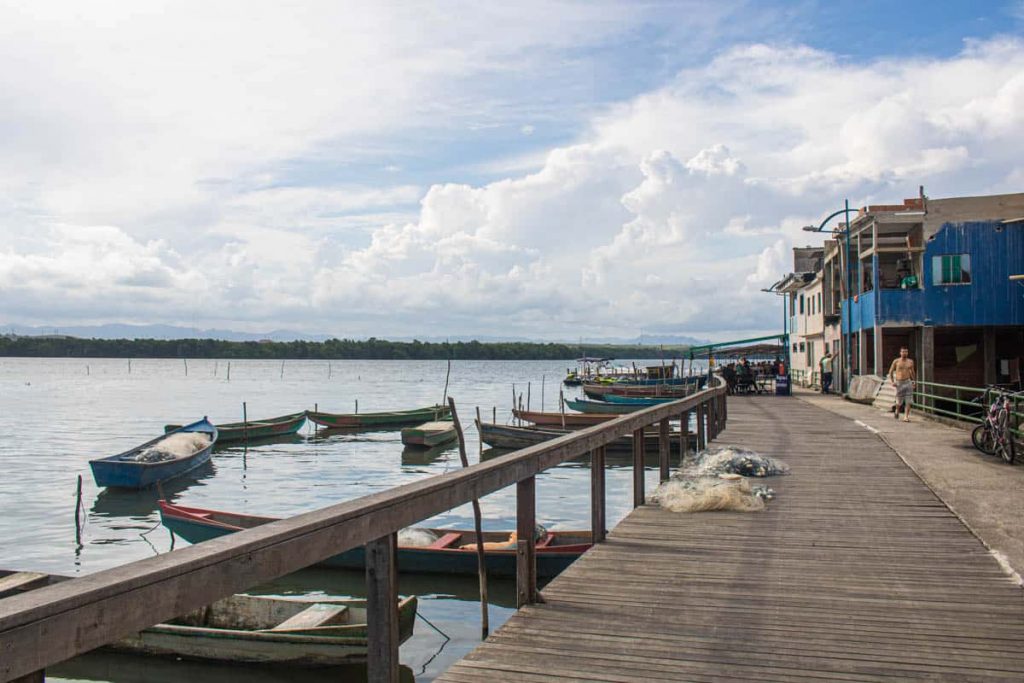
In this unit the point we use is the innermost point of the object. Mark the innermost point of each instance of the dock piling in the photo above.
(597, 494)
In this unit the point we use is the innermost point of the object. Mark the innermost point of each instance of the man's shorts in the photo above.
(904, 391)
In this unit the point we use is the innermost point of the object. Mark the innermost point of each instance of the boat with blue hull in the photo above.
(556, 550)
(125, 470)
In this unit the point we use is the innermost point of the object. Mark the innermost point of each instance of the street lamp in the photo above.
(847, 346)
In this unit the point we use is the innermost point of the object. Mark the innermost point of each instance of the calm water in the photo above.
(57, 414)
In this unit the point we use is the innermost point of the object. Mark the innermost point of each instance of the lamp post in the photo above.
(847, 346)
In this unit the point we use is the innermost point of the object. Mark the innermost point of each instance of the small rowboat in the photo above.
(599, 391)
(447, 555)
(309, 632)
(429, 434)
(126, 471)
(638, 400)
(395, 418)
(585, 406)
(513, 438)
(572, 420)
(255, 429)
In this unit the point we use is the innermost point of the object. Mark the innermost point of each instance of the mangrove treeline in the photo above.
(369, 349)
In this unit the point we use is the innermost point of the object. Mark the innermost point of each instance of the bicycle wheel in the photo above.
(1004, 445)
(982, 439)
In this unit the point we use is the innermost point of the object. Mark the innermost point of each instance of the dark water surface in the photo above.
(57, 414)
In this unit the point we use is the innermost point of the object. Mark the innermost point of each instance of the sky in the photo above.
(543, 170)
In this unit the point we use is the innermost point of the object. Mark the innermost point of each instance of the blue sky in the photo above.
(548, 170)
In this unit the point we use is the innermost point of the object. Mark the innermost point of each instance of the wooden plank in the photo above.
(382, 610)
(638, 468)
(701, 435)
(20, 581)
(663, 450)
(526, 542)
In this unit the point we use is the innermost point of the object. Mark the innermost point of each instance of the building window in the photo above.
(801, 347)
(801, 304)
(951, 269)
(819, 302)
(794, 347)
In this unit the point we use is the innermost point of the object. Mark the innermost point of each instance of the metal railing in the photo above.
(962, 403)
(806, 378)
(43, 627)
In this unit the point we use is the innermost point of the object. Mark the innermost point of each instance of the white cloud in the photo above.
(205, 140)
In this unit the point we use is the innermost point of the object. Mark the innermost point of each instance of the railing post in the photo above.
(663, 449)
(684, 435)
(526, 542)
(712, 419)
(725, 408)
(597, 506)
(701, 442)
(638, 467)
(382, 610)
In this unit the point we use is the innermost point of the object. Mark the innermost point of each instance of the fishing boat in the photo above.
(599, 390)
(638, 400)
(394, 418)
(255, 429)
(308, 632)
(136, 469)
(508, 437)
(585, 406)
(570, 420)
(429, 434)
(556, 550)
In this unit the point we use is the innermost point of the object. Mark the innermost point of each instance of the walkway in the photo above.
(856, 572)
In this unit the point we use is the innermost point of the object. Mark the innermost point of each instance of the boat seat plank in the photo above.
(546, 541)
(316, 615)
(446, 540)
(20, 581)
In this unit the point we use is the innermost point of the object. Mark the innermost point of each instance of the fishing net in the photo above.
(704, 494)
(416, 537)
(180, 445)
(732, 460)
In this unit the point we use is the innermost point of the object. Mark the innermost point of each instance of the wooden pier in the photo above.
(856, 572)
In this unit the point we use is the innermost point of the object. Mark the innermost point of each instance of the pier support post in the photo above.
(701, 412)
(663, 450)
(638, 467)
(526, 542)
(712, 414)
(597, 506)
(382, 610)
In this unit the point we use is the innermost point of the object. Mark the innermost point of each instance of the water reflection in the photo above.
(128, 503)
(416, 455)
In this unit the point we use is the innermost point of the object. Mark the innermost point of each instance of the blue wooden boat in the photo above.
(585, 406)
(448, 555)
(124, 471)
(638, 401)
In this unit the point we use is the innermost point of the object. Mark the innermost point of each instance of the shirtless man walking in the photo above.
(902, 374)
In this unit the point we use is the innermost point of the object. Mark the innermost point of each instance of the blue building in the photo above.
(932, 275)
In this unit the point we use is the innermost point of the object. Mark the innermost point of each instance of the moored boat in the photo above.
(508, 437)
(308, 632)
(429, 434)
(158, 460)
(256, 429)
(393, 418)
(638, 400)
(585, 406)
(556, 550)
(570, 420)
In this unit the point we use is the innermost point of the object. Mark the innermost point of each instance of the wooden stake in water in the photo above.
(515, 421)
(561, 406)
(447, 375)
(129, 366)
(229, 371)
(216, 366)
(480, 437)
(528, 387)
(282, 369)
(328, 370)
(542, 378)
(78, 513)
(481, 563)
(357, 406)
(245, 422)
(494, 414)
(87, 371)
(186, 366)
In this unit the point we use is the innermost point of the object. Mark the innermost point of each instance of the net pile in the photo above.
(715, 480)
(732, 460)
(416, 537)
(175, 446)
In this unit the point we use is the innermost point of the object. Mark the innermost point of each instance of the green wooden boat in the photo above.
(256, 429)
(585, 406)
(429, 434)
(394, 418)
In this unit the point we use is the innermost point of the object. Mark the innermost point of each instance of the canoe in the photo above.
(572, 420)
(394, 418)
(555, 551)
(585, 406)
(429, 434)
(645, 401)
(124, 471)
(255, 429)
(308, 632)
(508, 437)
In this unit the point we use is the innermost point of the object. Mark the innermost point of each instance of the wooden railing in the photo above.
(51, 624)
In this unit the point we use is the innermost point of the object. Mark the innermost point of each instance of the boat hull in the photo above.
(571, 420)
(257, 429)
(190, 525)
(429, 434)
(388, 419)
(117, 472)
(514, 438)
(601, 407)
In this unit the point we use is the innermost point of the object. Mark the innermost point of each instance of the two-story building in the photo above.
(803, 289)
(934, 275)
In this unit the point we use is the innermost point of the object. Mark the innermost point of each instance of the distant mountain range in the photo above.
(124, 331)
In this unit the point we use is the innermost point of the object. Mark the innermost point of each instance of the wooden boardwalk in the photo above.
(857, 572)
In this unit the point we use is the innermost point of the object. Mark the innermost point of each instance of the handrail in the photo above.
(922, 403)
(48, 625)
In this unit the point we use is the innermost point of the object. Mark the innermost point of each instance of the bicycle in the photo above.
(994, 436)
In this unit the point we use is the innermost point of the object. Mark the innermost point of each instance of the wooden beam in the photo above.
(701, 440)
(639, 446)
(526, 542)
(597, 494)
(663, 449)
(382, 610)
